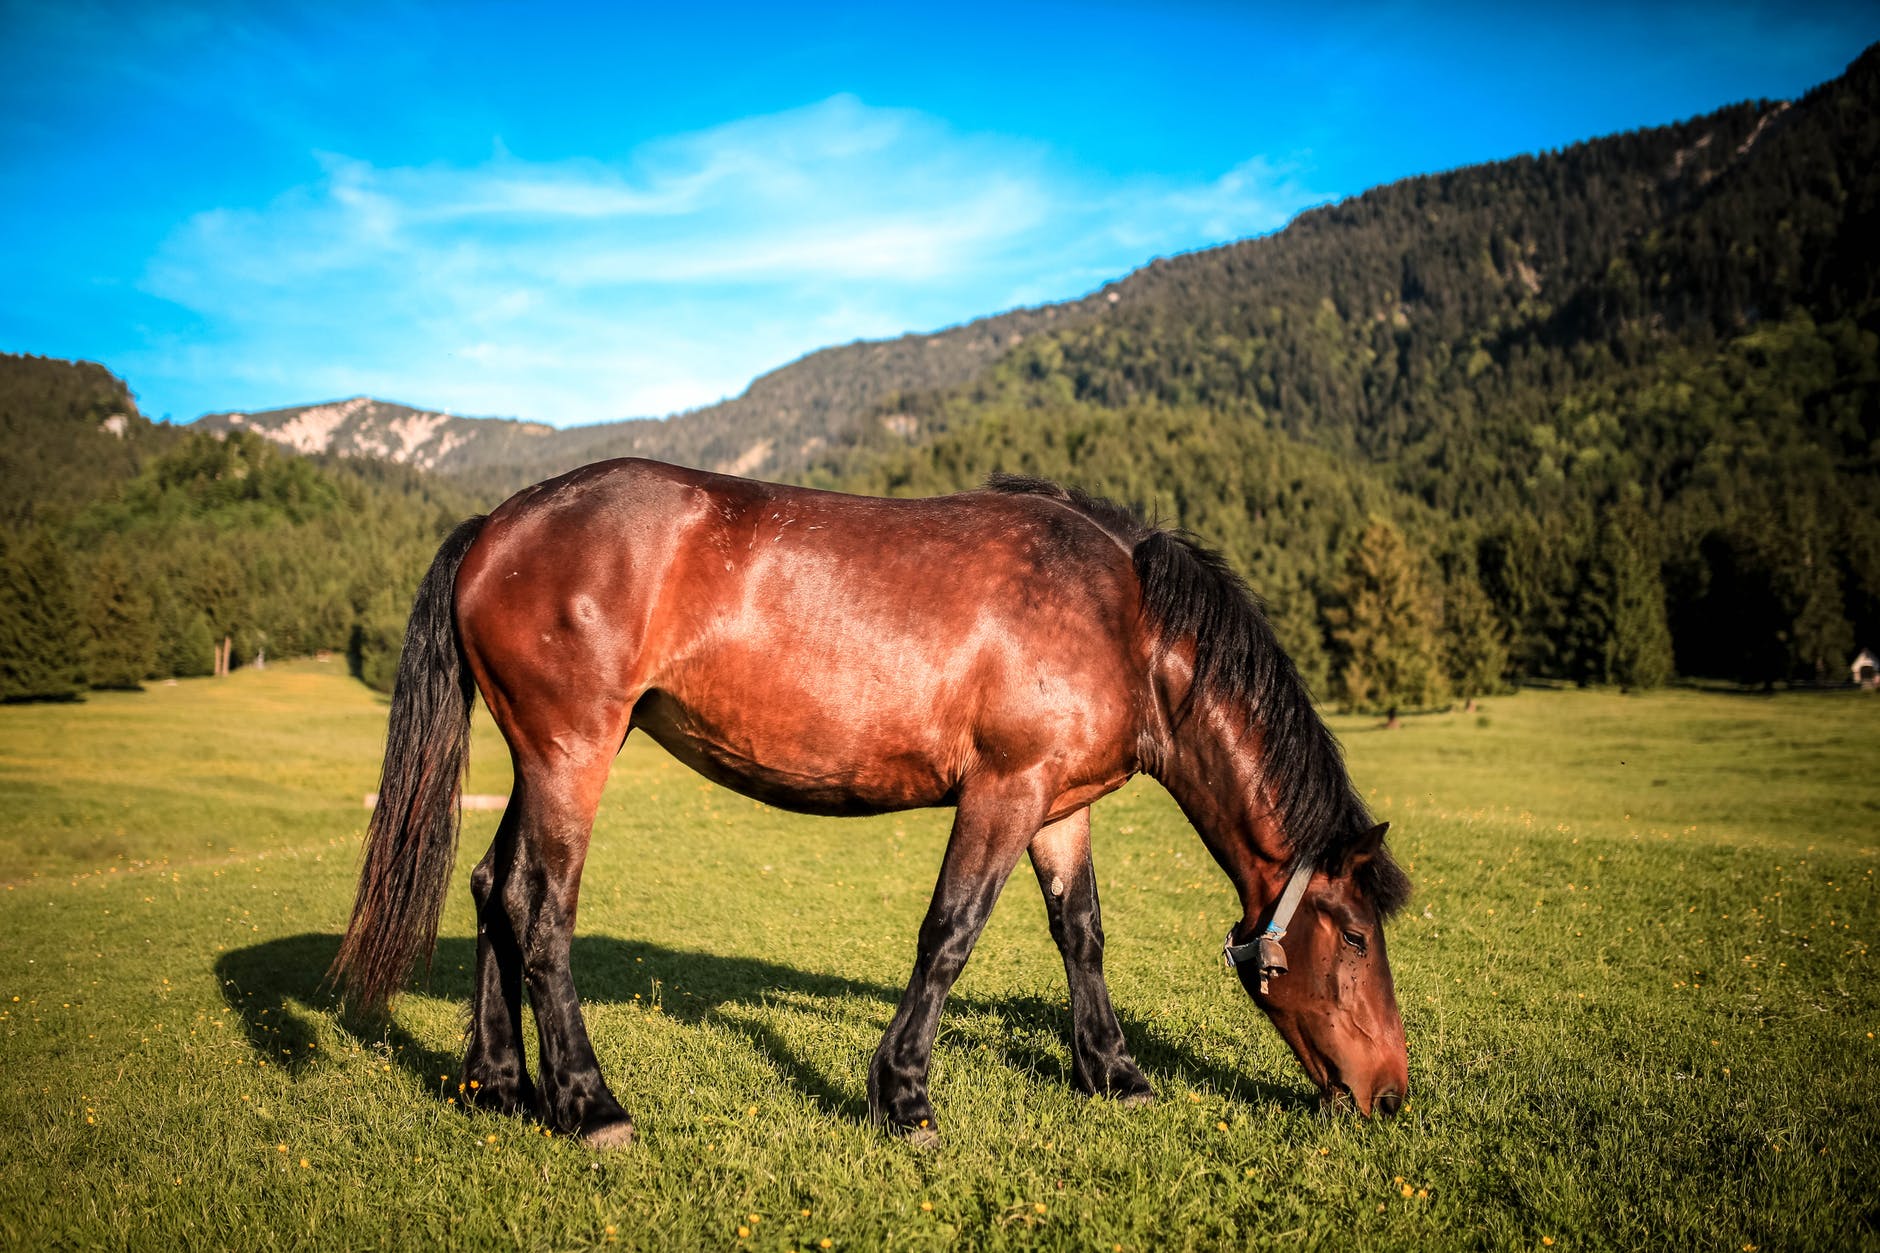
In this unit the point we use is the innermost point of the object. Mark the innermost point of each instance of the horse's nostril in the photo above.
(1388, 1103)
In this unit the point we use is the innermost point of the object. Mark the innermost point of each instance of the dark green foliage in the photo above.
(68, 431)
(1474, 642)
(1618, 632)
(186, 647)
(210, 539)
(39, 623)
(120, 626)
(1384, 621)
(377, 641)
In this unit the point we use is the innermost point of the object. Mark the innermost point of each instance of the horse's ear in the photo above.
(1368, 846)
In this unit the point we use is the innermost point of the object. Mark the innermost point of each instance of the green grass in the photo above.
(1636, 977)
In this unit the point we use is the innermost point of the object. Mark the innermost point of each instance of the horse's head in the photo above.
(1326, 984)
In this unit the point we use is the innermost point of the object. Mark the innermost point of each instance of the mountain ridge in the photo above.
(773, 428)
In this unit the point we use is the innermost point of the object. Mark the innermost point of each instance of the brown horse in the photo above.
(1016, 653)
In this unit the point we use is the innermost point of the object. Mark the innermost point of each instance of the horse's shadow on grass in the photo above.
(271, 986)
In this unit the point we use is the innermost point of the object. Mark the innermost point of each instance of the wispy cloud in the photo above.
(581, 290)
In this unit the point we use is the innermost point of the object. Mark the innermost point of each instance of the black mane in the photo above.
(1189, 591)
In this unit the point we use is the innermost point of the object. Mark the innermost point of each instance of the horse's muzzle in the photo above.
(1340, 1099)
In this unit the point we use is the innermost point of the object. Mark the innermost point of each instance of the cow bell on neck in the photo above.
(1272, 957)
(1265, 952)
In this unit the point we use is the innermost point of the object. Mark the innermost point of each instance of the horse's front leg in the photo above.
(990, 829)
(1100, 1060)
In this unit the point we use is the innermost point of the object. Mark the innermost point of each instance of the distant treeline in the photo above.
(190, 546)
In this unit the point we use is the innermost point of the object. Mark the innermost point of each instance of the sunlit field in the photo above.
(1637, 980)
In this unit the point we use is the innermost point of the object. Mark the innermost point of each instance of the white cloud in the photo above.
(579, 290)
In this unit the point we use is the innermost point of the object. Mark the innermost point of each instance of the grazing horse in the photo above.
(1016, 653)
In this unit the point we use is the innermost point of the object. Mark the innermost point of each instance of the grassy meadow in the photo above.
(1637, 979)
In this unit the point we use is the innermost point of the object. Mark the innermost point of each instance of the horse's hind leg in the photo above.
(557, 793)
(1100, 1060)
(494, 1075)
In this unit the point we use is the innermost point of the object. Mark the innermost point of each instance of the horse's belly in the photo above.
(797, 759)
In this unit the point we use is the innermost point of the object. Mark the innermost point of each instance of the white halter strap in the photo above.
(1289, 902)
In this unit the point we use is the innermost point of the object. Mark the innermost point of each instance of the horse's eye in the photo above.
(1355, 939)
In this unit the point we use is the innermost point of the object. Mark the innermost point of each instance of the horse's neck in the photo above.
(1215, 772)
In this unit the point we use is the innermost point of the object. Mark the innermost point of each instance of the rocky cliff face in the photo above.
(364, 427)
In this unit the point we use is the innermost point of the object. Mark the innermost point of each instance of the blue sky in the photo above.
(578, 213)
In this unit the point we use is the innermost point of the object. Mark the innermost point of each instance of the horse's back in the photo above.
(820, 650)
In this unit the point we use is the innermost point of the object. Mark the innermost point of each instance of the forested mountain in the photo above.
(68, 431)
(132, 550)
(1628, 391)
(1601, 414)
(785, 419)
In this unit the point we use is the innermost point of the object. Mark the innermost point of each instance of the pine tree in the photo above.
(1384, 627)
(1820, 639)
(39, 627)
(1475, 649)
(1619, 631)
(121, 636)
(192, 650)
(378, 638)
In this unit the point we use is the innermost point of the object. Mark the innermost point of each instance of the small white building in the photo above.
(1866, 669)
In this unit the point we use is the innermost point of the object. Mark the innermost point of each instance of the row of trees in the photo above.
(216, 543)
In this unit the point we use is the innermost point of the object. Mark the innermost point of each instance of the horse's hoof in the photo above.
(609, 1135)
(921, 1135)
(923, 1138)
(512, 1101)
(1136, 1100)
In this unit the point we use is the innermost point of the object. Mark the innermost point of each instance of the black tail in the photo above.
(411, 842)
